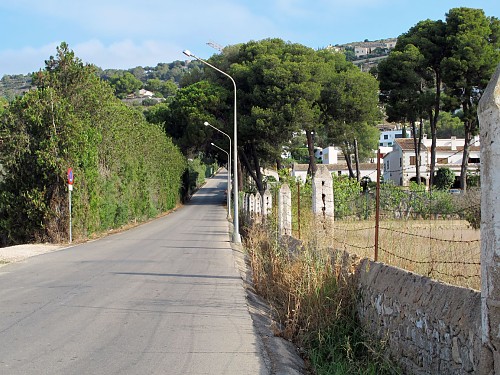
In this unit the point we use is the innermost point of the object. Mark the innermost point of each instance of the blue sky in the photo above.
(125, 34)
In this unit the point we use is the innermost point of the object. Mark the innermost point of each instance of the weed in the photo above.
(313, 292)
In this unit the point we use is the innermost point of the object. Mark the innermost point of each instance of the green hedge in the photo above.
(125, 169)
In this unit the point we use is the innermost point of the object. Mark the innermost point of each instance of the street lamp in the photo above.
(206, 123)
(236, 229)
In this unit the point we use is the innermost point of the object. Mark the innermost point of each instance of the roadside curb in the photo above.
(280, 356)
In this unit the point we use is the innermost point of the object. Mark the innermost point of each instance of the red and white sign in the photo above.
(70, 176)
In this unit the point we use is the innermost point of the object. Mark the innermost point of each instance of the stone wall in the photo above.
(430, 327)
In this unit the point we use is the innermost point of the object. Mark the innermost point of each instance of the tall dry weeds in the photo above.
(313, 292)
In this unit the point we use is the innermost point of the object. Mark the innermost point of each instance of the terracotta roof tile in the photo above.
(407, 144)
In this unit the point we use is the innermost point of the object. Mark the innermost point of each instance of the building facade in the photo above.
(400, 163)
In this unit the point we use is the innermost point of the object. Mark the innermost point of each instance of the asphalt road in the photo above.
(162, 298)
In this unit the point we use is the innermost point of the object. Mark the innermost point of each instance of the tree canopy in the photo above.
(457, 55)
(282, 91)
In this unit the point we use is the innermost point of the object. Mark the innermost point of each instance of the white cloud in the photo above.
(132, 19)
(126, 54)
(121, 54)
(25, 60)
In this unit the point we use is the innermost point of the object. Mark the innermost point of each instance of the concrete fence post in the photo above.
(251, 205)
(322, 190)
(258, 207)
(285, 211)
(245, 203)
(489, 121)
(267, 203)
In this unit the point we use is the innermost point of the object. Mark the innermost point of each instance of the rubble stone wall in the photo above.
(430, 327)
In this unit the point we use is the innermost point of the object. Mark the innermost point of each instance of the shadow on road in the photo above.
(177, 275)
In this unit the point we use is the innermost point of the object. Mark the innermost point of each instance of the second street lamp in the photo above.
(206, 123)
(228, 197)
(236, 224)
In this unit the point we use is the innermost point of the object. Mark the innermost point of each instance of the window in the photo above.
(442, 160)
(412, 160)
(400, 162)
(474, 160)
(386, 136)
(387, 164)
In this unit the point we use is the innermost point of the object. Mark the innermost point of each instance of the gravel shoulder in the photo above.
(18, 253)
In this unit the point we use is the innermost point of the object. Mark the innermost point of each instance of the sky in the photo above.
(123, 34)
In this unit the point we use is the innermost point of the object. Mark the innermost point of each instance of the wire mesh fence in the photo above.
(426, 232)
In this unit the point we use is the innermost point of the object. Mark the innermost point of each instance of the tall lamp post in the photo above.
(206, 123)
(236, 224)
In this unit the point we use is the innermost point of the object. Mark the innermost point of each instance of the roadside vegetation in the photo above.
(125, 169)
(313, 294)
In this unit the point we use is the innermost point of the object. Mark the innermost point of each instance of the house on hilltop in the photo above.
(379, 47)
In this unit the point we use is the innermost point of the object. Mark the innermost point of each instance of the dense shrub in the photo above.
(125, 169)
(346, 195)
(196, 173)
(468, 204)
(444, 178)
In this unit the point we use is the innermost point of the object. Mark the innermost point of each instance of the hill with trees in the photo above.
(163, 79)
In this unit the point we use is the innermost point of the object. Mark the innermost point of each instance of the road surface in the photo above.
(162, 298)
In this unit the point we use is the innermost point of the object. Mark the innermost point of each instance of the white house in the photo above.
(399, 164)
(387, 137)
(145, 93)
(361, 51)
(328, 155)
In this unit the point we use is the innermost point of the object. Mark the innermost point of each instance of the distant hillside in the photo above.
(14, 85)
(364, 54)
(163, 71)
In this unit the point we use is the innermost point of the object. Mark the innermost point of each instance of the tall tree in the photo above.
(349, 101)
(404, 91)
(276, 97)
(474, 52)
(429, 37)
(183, 118)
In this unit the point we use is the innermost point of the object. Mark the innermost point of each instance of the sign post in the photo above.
(70, 189)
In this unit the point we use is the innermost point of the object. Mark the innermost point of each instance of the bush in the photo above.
(347, 196)
(468, 205)
(444, 178)
(125, 168)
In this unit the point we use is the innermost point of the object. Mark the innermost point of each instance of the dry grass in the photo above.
(446, 250)
(307, 289)
(313, 292)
